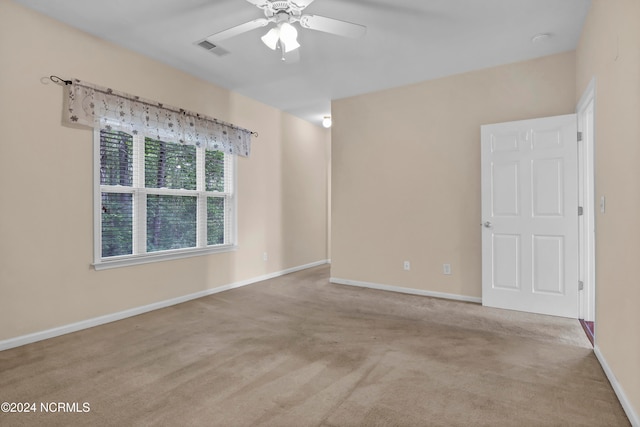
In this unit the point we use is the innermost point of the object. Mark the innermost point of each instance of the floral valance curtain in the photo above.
(99, 107)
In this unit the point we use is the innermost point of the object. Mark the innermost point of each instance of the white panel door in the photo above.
(530, 215)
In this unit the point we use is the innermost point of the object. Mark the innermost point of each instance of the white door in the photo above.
(530, 215)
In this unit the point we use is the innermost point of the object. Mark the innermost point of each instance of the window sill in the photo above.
(160, 256)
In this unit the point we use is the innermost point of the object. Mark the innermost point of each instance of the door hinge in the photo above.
(580, 210)
(580, 285)
(579, 136)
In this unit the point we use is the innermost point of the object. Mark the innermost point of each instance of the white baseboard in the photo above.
(404, 290)
(622, 397)
(101, 320)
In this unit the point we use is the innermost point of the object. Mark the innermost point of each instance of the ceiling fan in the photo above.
(284, 13)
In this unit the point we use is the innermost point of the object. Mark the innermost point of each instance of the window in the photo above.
(160, 200)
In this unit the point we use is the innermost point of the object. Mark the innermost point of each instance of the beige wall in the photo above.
(406, 171)
(46, 218)
(609, 50)
(405, 178)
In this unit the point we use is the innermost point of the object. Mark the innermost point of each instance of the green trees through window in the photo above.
(116, 169)
(159, 196)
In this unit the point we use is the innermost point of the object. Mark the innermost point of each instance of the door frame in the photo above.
(585, 111)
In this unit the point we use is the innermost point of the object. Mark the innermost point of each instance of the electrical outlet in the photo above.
(446, 268)
(407, 265)
(265, 257)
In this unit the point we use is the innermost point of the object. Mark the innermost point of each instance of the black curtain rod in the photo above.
(57, 80)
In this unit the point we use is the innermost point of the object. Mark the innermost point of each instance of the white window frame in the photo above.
(140, 256)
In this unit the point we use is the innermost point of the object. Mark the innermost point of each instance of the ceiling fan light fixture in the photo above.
(291, 45)
(288, 37)
(284, 36)
(271, 38)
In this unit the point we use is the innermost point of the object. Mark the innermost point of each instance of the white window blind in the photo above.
(161, 200)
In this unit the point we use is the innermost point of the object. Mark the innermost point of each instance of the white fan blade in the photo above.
(238, 29)
(333, 26)
(259, 3)
(302, 3)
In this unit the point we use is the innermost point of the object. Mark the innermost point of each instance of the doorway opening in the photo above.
(586, 221)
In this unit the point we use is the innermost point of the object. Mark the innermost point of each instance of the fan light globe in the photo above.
(284, 33)
(271, 38)
(288, 36)
(290, 45)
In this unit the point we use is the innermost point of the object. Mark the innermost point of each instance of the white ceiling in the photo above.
(407, 41)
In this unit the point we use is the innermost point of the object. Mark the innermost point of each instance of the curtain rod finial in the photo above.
(59, 81)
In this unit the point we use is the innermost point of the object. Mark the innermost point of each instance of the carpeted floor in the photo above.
(299, 351)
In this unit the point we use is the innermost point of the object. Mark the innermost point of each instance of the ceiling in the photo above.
(407, 41)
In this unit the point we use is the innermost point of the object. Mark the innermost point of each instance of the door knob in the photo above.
(487, 224)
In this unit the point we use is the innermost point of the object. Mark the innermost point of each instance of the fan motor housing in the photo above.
(279, 5)
(274, 8)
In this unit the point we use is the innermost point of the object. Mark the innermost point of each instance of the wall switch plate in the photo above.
(407, 265)
(265, 257)
(602, 202)
(446, 268)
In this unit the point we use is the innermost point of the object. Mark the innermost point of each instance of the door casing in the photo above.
(585, 111)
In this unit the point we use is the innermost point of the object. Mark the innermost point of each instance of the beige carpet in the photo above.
(299, 351)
